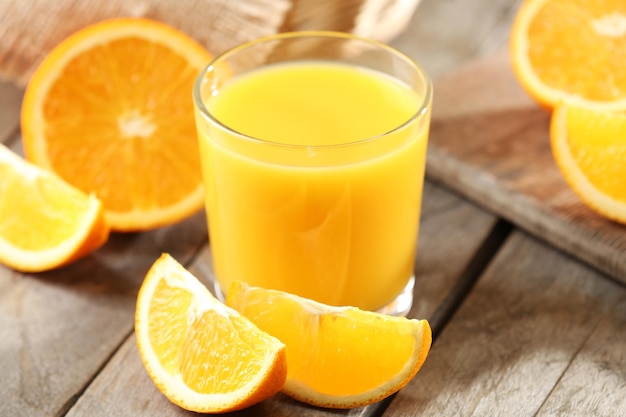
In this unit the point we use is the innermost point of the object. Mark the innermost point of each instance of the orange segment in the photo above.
(571, 50)
(589, 147)
(339, 357)
(202, 355)
(44, 222)
(110, 111)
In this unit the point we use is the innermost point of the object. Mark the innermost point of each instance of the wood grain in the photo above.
(515, 337)
(490, 143)
(449, 224)
(10, 104)
(595, 382)
(59, 328)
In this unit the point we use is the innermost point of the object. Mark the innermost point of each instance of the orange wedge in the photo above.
(571, 51)
(44, 222)
(589, 147)
(202, 355)
(110, 111)
(339, 357)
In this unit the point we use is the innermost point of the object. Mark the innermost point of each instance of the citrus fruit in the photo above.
(44, 222)
(570, 50)
(338, 357)
(202, 355)
(589, 147)
(110, 111)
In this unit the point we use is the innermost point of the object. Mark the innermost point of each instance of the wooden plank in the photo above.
(595, 382)
(514, 337)
(449, 225)
(490, 142)
(10, 105)
(59, 328)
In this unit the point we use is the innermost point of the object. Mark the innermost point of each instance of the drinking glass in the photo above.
(313, 147)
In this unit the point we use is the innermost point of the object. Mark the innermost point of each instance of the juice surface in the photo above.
(314, 104)
(338, 225)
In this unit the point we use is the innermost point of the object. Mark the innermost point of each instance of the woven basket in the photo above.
(30, 29)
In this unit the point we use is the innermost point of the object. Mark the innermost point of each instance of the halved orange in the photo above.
(339, 357)
(202, 355)
(44, 222)
(110, 111)
(571, 50)
(589, 147)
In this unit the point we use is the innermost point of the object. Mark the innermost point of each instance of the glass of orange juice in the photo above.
(313, 146)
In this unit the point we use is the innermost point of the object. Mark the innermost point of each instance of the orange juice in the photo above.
(313, 179)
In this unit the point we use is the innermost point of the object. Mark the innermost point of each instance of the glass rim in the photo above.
(206, 114)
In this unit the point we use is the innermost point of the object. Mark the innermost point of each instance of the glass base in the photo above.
(217, 290)
(400, 306)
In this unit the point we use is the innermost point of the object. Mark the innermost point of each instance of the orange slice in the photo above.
(563, 50)
(44, 222)
(339, 357)
(202, 355)
(589, 147)
(110, 111)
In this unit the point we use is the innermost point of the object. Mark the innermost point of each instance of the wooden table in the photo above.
(524, 287)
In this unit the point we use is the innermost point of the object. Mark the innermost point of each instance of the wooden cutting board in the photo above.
(490, 143)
